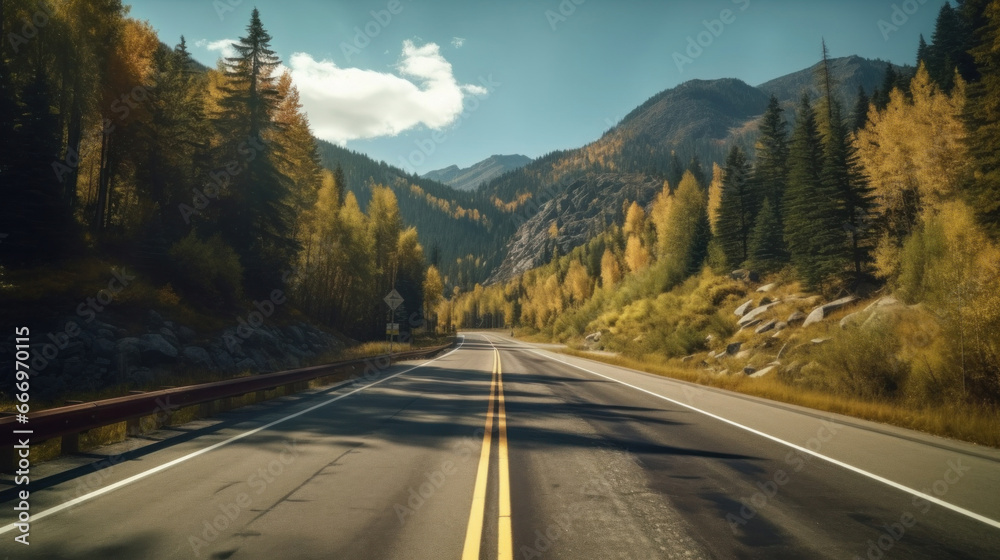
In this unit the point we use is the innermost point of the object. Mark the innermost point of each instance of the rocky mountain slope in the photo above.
(585, 207)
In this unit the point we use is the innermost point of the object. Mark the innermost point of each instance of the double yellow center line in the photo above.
(474, 533)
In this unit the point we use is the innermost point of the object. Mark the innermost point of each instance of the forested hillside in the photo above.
(460, 229)
(689, 127)
(896, 195)
(120, 152)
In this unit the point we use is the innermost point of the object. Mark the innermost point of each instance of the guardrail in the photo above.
(68, 422)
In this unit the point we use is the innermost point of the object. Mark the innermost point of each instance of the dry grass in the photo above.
(963, 423)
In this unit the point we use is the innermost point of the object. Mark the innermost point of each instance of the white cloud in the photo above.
(223, 46)
(350, 103)
(457, 42)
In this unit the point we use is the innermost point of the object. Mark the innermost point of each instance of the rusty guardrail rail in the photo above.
(68, 422)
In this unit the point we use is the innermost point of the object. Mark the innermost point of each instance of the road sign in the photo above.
(392, 328)
(393, 300)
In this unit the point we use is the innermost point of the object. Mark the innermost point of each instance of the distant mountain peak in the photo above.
(470, 178)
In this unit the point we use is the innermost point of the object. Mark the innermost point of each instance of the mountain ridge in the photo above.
(484, 234)
(470, 178)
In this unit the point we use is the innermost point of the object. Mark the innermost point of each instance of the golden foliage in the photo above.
(915, 156)
(636, 256)
(611, 271)
(715, 195)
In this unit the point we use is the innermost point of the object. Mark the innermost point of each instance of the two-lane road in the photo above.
(501, 450)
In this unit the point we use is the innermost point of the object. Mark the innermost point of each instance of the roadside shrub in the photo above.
(865, 363)
(953, 266)
(208, 271)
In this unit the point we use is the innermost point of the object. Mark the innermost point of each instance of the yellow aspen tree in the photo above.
(715, 195)
(636, 256)
(611, 271)
(577, 283)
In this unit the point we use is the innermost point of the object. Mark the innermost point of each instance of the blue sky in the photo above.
(452, 82)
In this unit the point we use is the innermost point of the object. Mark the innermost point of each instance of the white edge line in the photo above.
(192, 455)
(852, 468)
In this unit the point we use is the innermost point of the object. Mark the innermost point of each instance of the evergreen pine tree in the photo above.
(737, 209)
(675, 172)
(35, 215)
(767, 251)
(256, 216)
(843, 179)
(947, 42)
(771, 168)
(983, 122)
(861, 107)
(698, 171)
(701, 238)
(923, 51)
(812, 213)
(881, 96)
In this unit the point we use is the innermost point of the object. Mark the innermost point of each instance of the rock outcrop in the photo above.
(99, 354)
(586, 206)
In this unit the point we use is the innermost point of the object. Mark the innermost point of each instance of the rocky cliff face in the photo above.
(82, 356)
(582, 209)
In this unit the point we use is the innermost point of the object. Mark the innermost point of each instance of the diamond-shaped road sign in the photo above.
(393, 299)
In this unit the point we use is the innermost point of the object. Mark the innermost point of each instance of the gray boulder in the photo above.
(765, 327)
(170, 336)
(755, 314)
(742, 309)
(887, 301)
(156, 349)
(246, 364)
(154, 319)
(185, 334)
(128, 355)
(103, 347)
(197, 356)
(223, 359)
(796, 317)
(822, 311)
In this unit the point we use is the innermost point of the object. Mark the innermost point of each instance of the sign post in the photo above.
(393, 300)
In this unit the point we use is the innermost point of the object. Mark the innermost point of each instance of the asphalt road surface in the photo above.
(498, 449)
